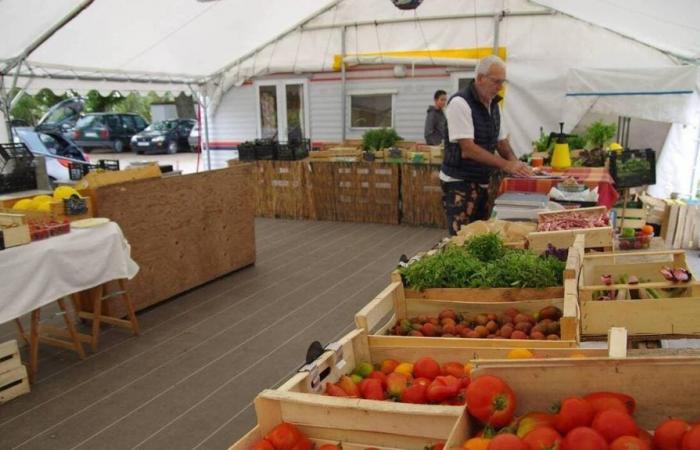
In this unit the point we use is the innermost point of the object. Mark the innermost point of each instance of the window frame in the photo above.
(367, 93)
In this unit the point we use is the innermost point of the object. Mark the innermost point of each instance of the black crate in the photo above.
(293, 150)
(108, 164)
(21, 179)
(265, 149)
(77, 171)
(633, 168)
(246, 151)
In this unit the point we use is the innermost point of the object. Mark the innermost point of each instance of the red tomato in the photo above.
(438, 446)
(574, 412)
(414, 394)
(453, 368)
(329, 447)
(426, 368)
(443, 388)
(533, 420)
(669, 434)
(543, 438)
(600, 399)
(262, 445)
(629, 443)
(584, 438)
(284, 436)
(335, 391)
(507, 442)
(371, 389)
(345, 383)
(612, 424)
(691, 440)
(491, 400)
(303, 444)
(645, 437)
(379, 376)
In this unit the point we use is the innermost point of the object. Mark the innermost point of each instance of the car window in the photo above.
(185, 127)
(129, 122)
(49, 141)
(113, 122)
(165, 125)
(140, 123)
(89, 121)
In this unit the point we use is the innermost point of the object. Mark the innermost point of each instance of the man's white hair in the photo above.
(485, 64)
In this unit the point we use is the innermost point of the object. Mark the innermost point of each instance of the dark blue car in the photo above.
(167, 136)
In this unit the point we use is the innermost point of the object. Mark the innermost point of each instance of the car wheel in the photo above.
(173, 148)
(118, 146)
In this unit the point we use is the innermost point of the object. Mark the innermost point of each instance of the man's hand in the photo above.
(517, 169)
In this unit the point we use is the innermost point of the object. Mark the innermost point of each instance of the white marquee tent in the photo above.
(212, 45)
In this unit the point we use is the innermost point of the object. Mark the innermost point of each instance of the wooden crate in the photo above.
(58, 210)
(632, 218)
(14, 229)
(393, 303)
(282, 190)
(538, 384)
(599, 237)
(13, 375)
(94, 180)
(326, 420)
(649, 318)
(421, 196)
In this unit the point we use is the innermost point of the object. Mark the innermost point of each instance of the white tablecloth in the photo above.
(39, 273)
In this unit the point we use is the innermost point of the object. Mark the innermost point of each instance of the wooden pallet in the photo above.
(14, 380)
(394, 304)
(651, 318)
(597, 237)
(329, 420)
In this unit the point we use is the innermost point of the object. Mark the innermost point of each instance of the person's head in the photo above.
(440, 98)
(490, 76)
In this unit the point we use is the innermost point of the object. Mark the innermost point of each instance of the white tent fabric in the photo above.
(668, 26)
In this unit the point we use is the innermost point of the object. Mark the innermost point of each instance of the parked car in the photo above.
(194, 139)
(167, 136)
(61, 117)
(107, 130)
(57, 150)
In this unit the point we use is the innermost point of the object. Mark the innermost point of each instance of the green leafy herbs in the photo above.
(459, 267)
(543, 144)
(379, 138)
(599, 133)
(485, 247)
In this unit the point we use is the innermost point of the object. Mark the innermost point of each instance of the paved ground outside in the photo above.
(186, 162)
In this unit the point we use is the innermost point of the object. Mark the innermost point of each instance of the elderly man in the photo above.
(478, 148)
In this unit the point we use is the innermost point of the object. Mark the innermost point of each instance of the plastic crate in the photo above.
(633, 168)
(108, 164)
(77, 171)
(265, 149)
(246, 151)
(293, 151)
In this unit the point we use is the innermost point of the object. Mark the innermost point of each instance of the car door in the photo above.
(183, 133)
(115, 126)
(129, 126)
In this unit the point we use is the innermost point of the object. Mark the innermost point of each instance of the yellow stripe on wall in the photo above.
(454, 53)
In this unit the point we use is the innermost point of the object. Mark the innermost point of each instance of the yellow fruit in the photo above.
(520, 353)
(24, 204)
(468, 369)
(477, 443)
(404, 368)
(39, 199)
(63, 192)
(44, 207)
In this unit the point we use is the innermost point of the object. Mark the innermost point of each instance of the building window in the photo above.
(371, 110)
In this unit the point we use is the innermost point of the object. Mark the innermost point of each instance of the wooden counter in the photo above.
(184, 230)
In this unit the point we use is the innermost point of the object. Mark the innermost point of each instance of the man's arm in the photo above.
(470, 150)
(429, 127)
(505, 150)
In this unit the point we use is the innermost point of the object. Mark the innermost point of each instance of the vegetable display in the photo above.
(512, 324)
(572, 221)
(461, 267)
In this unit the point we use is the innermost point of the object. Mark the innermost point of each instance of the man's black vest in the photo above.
(486, 128)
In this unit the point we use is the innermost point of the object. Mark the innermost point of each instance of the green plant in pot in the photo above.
(596, 137)
(378, 139)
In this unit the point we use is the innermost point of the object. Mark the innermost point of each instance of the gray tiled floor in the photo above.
(188, 381)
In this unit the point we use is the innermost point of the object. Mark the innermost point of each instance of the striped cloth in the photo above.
(592, 177)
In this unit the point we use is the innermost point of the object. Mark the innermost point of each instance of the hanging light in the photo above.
(407, 4)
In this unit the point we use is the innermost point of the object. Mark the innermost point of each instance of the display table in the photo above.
(34, 275)
(592, 177)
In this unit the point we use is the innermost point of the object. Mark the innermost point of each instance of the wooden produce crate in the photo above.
(394, 304)
(357, 426)
(538, 384)
(14, 229)
(58, 210)
(652, 318)
(631, 217)
(13, 375)
(282, 191)
(421, 195)
(94, 180)
(598, 237)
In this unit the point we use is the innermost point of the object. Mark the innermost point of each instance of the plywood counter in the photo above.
(184, 230)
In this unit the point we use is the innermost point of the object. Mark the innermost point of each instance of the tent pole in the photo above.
(496, 30)
(343, 96)
(205, 103)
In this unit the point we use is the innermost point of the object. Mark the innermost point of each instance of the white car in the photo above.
(58, 151)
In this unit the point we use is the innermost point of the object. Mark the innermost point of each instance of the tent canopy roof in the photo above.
(177, 42)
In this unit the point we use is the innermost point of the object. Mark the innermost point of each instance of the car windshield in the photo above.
(89, 121)
(165, 125)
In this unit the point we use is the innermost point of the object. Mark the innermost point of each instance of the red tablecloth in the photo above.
(590, 176)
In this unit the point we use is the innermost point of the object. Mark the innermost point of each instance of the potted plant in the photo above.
(378, 139)
(596, 138)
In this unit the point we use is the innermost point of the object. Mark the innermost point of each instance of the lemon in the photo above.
(616, 147)
(39, 199)
(24, 204)
(520, 353)
(404, 368)
(44, 207)
(63, 192)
